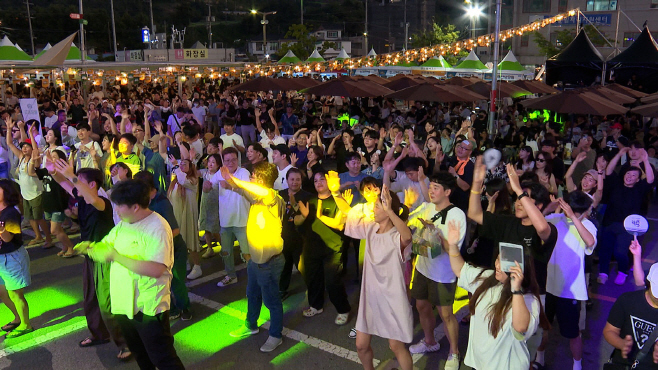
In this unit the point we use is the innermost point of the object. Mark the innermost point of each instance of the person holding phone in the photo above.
(505, 308)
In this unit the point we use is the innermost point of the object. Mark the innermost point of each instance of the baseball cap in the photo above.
(155, 138)
(617, 125)
(653, 279)
(593, 173)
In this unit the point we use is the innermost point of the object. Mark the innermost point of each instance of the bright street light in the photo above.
(474, 12)
(264, 22)
(254, 11)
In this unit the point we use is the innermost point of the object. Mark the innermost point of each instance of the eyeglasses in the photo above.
(540, 160)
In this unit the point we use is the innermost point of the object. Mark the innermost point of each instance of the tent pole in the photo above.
(617, 29)
(630, 20)
(496, 56)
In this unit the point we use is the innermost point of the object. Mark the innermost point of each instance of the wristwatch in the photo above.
(74, 180)
(524, 194)
(519, 292)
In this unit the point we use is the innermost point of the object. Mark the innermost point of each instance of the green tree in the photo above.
(564, 38)
(304, 44)
(439, 35)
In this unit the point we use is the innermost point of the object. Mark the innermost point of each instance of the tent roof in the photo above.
(439, 62)
(642, 50)
(290, 57)
(580, 50)
(9, 52)
(372, 53)
(342, 55)
(315, 57)
(198, 45)
(509, 63)
(74, 53)
(471, 62)
(55, 55)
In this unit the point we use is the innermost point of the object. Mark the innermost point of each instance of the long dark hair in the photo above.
(548, 168)
(502, 203)
(531, 157)
(498, 310)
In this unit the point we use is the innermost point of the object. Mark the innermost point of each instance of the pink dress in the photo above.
(384, 309)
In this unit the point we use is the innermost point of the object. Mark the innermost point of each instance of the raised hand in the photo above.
(333, 181)
(492, 198)
(348, 196)
(63, 167)
(580, 157)
(421, 174)
(397, 141)
(293, 159)
(386, 199)
(173, 160)
(158, 126)
(480, 171)
(303, 208)
(453, 232)
(516, 274)
(635, 248)
(566, 208)
(410, 197)
(513, 179)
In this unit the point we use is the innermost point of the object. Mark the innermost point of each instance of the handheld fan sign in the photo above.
(636, 225)
(492, 158)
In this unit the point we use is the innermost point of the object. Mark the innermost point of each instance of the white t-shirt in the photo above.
(149, 239)
(200, 113)
(50, 121)
(265, 143)
(84, 159)
(509, 349)
(233, 207)
(228, 143)
(402, 182)
(438, 269)
(566, 268)
(197, 145)
(281, 182)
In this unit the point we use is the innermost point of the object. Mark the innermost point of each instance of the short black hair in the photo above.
(190, 130)
(147, 178)
(130, 137)
(445, 179)
(411, 164)
(373, 134)
(268, 172)
(579, 201)
(131, 192)
(230, 150)
(92, 175)
(9, 192)
(538, 193)
(369, 180)
(216, 141)
(83, 126)
(229, 122)
(352, 155)
(283, 149)
(294, 170)
(349, 132)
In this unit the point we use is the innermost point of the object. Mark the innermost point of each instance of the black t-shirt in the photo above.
(10, 215)
(633, 315)
(318, 235)
(558, 169)
(508, 229)
(458, 196)
(94, 224)
(341, 155)
(623, 201)
(247, 117)
(55, 198)
(289, 231)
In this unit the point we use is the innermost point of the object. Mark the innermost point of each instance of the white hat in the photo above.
(653, 279)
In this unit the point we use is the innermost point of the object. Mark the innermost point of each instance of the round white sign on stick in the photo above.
(491, 158)
(636, 225)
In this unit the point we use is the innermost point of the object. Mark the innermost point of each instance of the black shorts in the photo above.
(567, 311)
(438, 294)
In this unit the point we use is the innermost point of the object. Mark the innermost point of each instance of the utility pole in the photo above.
(302, 1)
(494, 80)
(83, 51)
(29, 21)
(406, 27)
(114, 30)
(365, 33)
(152, 26)
(210, 19)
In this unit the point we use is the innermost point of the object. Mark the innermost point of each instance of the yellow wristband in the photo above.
(476, 192)
(454, 255)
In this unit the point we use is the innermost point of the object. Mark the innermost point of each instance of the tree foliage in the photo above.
(439, 35)
(564, 38)
(304, 42)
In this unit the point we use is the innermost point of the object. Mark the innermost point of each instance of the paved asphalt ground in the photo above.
(55, 299)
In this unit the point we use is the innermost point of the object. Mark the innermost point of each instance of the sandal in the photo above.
(60, 253)
(35, 242)
(48, 245)
(17, 333)
(310, 312)
(88, 342)
(124, 354)
(69, 254)
(10, 326)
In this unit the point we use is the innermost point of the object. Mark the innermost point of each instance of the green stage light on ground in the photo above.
(202, 342)
(284, 358)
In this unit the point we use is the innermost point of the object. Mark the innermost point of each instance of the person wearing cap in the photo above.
(566, 285)
(461, 168)
(627, 193)
(557, 164)
(613, 140)
(632, 319)
(289, 122)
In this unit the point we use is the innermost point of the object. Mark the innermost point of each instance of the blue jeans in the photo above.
(263, 287)
(228, 236)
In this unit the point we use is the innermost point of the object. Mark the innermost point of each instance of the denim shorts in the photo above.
(15, 269)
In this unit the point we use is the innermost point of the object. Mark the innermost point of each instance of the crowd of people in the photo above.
(143, 171)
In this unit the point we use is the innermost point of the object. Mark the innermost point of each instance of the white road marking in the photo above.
(213, 276)
(288, 333)
(41, 339)
(439, 333)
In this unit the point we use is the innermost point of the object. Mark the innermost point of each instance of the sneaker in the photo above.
(174, 314)
(422, 347)
(227, 280)
(209, 253)
(341, 318)
(621, 278)
(271, 344)
(185, 315)
(310, 312)
(602, 279)
(243, 331)
(195, 273)
(452, 363)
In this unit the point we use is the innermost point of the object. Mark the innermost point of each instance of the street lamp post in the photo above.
(264, 22)
(114, 31)
(473, 12)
